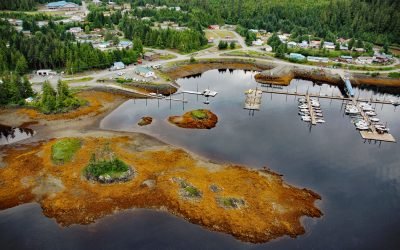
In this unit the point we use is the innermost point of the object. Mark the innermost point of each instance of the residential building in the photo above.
(346, 59)
(315, 44)
(258, 42)
(267, 48)
(361, 50)
(296, 56)
(344, 47)
(303, 44)
(292, 44)
(45, 72)
(317, 59)
(75, 30)
(96, 2)
(62, 5)
(213, 27)
(41, 24)
(145, 72)
(118, 66)
(150, 56)
(329, 45)
(364, 60)
(104, 45)
(125, 44)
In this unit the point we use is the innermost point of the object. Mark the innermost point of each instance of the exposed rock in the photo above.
(148, 183)
(144, 121)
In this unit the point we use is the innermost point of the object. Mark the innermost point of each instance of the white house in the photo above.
(62, 5)
(258, 42)
(118, 66)
(145, 72)
(45, 72)
(329, 45)
(75, 30)
(364, 60)
(317, 59)
(292, 44)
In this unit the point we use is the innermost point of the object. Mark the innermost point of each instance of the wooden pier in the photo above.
(253, 99)
(373, 133)
(311, 109)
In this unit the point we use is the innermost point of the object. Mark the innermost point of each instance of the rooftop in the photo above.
(59, 4)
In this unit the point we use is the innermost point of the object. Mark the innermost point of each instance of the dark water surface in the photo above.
(359, 181)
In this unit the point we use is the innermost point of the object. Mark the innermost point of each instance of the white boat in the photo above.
(208, 92)
(305, 119)
(352, 111)
(320, 121)
(370, 113)
(319, 115)
(374, 119)
(206, 102)
(302, 100)
(303, 106)
(362, 127)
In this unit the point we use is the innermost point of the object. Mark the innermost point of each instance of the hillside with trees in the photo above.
(375, 21)
(24, 5)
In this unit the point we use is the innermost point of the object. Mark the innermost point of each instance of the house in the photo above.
(150, 56)
(380, 59)
(26, 32)
(146, 18)
(15, 22)
(45, 72)
(253, 30)
(303, 45)
(314, 44)
(257, 42)
(364, 60)
(62, 5)
(292, 44)
(317, 59)
(213, 27)
(104, 45)
(41, 24)
(29, 100)
(96, 2)
(361, 50)
(267, 48)
(283, 38)
(118, 66)
(297, 57)
(346, 59)
(145, 72)
(343, 47)
(76, 18)
(75, 30)
(211, 40)
(329, 45)
(125, 44)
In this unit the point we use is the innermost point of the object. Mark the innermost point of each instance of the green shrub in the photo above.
(394, 74)
(64, 150)
(199, 114)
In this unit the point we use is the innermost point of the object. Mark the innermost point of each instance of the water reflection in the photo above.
(10, 135)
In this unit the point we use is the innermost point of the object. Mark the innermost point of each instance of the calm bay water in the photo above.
(359, 181)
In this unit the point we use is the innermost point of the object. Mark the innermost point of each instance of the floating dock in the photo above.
(372, 134)
(206, 92)
(253, 99)
(311, 109)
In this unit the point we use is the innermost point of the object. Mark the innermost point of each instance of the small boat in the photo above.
(319, 115)
(320, 121)
(363, 128)
(374, 119)
(206, 102)
(302, 100)
(395, 103)
(303, 106)
(370, 113)
(306, 119)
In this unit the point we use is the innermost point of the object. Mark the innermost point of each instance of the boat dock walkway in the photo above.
(372, 134)
(333, 97)
(253, 99)
(311, 109)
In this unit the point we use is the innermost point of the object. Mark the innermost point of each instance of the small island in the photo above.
(145, 120)
(195, 119)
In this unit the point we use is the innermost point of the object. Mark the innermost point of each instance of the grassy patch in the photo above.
(199, 114)
(394, 75)
(167, 57)
(64, 150)
(230, 202)
(83, 79)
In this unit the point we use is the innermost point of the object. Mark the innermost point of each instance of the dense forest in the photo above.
(23, 5)
(376, 21)
(52, 47)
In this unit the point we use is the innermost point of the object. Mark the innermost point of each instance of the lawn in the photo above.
(64, 150)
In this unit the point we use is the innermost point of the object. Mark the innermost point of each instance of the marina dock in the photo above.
(372, 134)
(253, 99)
(311, 109)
